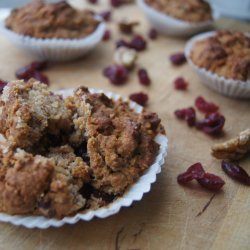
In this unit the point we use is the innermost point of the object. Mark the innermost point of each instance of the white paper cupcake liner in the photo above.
(134, 193)
(171, 26)
(53, 49)
(225, 86)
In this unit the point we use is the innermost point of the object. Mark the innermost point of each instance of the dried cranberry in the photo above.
(138, 43)
(40, 77)
(236, 172)
(211, 181)
(121, 43)
(195, 171)
(212, 124)
(140, 98)
(25, 72)
(204, 106)
(180, 83)
(106, 15)
(178, 58)
(117, 74)
(30, 70)
(116, 3)
(143, 77)
(187, 114)
(152, 34)
(2, 85)
(106, 35)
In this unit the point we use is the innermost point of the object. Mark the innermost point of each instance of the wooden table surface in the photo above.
(166, 218)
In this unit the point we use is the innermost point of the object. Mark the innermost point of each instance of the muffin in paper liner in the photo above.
(134, 193)
(53, 49)
(225, 86)
(171, 26)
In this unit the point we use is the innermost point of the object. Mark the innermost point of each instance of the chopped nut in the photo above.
(233, 149)
(126, 57)
(127, 27)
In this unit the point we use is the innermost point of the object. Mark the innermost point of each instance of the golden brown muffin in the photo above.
(120, 143)
(225, 54)
(40, 19)
(42, 185)
(84, 151)
(186, 10)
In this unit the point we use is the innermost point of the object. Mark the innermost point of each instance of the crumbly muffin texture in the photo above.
(29, 112)
(120, 142)
(41, 19)
(226, 54)
(64, 156)
(186, 10)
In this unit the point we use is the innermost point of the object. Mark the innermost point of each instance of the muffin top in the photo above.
(226, 54)
(186, 10)
(40, 19)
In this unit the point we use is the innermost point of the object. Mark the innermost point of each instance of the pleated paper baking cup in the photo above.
(225, 86)
(53, 49)
(134, 193)
(171, 26)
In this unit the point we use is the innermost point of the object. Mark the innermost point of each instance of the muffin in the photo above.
(186, 10)
(53, 31)
(179, 18)
(225, 54)
(66, 156)
(120, 143)
(222, 60)
(43, 20)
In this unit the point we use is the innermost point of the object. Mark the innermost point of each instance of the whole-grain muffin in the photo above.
(120, 142)
(225, 54)
(41, 19)
(61, 156)
(186, 10)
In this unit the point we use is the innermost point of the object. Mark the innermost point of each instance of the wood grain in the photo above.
(166, 218)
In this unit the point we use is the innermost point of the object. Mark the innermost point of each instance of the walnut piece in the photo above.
(126, 57)
(233, 149)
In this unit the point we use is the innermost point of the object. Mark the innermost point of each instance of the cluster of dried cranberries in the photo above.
(206, 180)
(33, 70)
(213, 122)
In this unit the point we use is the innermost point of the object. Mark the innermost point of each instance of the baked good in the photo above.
(62, 157)
(120, 142)
(41, 19)
(225, 54)
(186, 10)
(29, 112)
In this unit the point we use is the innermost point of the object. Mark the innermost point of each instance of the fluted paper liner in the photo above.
(53, 49)
(225, 86)
(134, 193)
(171, 26)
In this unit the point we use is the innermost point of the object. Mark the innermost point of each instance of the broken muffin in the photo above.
(120, 143)
(62, 157)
